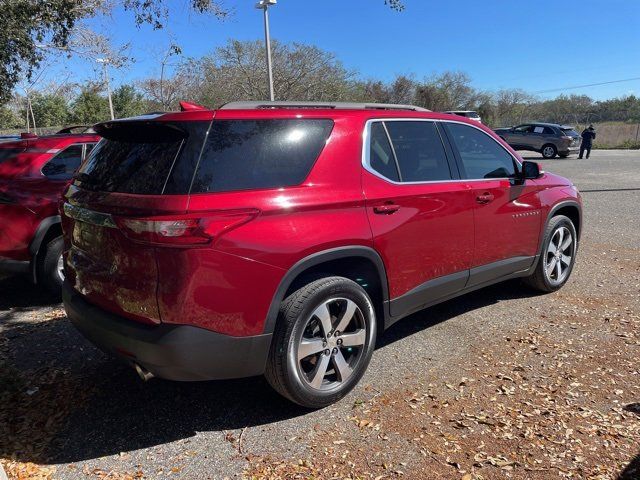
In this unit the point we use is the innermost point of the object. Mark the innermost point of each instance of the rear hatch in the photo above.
(126, 178)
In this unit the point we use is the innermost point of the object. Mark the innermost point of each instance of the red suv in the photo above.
(33, 174)
(282, 238)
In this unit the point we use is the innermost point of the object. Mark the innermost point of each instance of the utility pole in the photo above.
(105, 62)
(264, 6)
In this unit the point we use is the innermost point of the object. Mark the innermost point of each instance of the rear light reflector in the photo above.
(188, 230)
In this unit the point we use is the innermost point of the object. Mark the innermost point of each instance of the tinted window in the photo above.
(381, 156)
(251, 154)
(64, 164)
(481, 155)
(9, 153)
(419, 151)
(524, 129)
(89, 147)
(570, 132)
(137, 157)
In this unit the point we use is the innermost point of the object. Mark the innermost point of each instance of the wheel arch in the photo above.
(361, 264)
(570, 209)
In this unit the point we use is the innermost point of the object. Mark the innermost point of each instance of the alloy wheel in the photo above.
(332, 344)
(559, 254)
(548, 152)
(60, 268)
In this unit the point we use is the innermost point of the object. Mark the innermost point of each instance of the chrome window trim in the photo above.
(89, 216)
(366, 135)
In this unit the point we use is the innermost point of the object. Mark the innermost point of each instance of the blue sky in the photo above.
(535, 45)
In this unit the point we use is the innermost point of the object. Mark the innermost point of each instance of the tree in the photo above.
(9, 119)
(128, 102)
(27, 24)
(89, 107)
(448, 91)
(49, 109)
(237, 72)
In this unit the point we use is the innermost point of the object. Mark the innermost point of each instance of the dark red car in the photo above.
(33, 174)
(282, 238)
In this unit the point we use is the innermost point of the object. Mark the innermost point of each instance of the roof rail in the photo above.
(319, 105)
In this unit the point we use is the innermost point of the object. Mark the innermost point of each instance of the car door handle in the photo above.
(486, 197)
(386, 209)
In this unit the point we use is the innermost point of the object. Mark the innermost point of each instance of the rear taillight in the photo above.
(187, 230)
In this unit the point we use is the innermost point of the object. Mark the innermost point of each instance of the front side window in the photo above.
(523, 129)
(259, 154)
(64, 164)
(419, 150)
(481, 155)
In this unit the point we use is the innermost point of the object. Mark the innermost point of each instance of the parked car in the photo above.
(33, 174)
(549, 139)
(467, 114)
(283, 238)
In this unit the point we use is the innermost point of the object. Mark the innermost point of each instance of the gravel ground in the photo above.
(500, 383)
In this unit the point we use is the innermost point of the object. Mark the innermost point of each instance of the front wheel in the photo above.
(558, 256)
(323, 342)
(549, 151)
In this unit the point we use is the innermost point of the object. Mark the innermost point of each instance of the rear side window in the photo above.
(137, 157)
(64, 164)
(419, 150)
(9, 153)
(481, 155)
(259, 154)
(381, 156)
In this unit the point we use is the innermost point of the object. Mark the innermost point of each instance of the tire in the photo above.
(549, 151)
(545, 277)
(325, 376)
(48, 267)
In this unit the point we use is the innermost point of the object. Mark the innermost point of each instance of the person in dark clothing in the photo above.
(588, 136)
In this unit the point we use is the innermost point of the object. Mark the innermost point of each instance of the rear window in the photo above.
(570, 132)
(9, 153)
(137, 157)
(259, 154)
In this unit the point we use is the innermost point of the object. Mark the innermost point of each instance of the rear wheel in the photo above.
(50, 267)
(558, 256)
(323, 342)
(549, 151)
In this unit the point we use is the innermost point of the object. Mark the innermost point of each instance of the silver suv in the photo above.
(548, 139)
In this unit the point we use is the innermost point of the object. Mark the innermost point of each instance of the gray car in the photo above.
(549, 139)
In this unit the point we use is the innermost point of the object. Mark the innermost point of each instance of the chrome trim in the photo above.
(89, 216)
(366, 134)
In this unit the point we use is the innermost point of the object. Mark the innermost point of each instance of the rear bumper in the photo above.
(173, 352)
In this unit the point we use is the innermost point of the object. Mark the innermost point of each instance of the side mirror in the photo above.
(530, 170)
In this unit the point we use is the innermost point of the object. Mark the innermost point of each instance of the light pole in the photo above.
(264, 6)
(105, 62)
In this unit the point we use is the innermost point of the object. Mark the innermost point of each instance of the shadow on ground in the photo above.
(121, 413)
(631, 471)
(17, 292)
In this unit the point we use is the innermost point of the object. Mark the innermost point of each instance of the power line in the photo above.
(587, 85)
